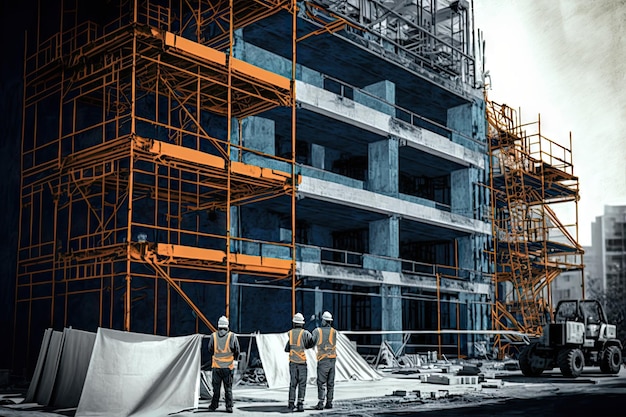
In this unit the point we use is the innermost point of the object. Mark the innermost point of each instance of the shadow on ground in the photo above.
(569, 405)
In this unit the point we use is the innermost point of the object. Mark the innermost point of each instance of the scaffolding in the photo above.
(133, 168)
(530, 177)
(135, 173)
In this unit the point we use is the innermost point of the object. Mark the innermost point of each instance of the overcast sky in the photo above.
(566, 60)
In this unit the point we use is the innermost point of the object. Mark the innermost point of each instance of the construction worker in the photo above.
(299, 340)
(224, 346)
(325, 338)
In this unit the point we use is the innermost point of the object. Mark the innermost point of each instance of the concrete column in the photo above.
(384, 237)
(235, 151)
(382, 170)
(235, 290)
(239, 44)
(319, 305)
(258, 134)
(386, 90)
(318, 154)
(477, 318)
(391, 304)
(235, 229)
(469, 121)
(235, 305)
(463, 196)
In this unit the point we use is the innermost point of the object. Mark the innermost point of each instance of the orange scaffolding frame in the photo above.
(117, 148)
(529, 174)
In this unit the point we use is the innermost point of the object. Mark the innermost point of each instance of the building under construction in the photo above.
(182, 160)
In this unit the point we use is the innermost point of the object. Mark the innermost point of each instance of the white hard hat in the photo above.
(327, 316)
(222, 323)
(298, 318)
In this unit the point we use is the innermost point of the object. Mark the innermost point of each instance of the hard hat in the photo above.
(327, 316)
(298, 318)
(222, 323)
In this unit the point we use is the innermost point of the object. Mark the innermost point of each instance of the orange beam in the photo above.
(258, 172)
(186, 154)
(194, 48)
(190, 252)
(253, 71)
(261, 264)
(248, 263)
(213, 55)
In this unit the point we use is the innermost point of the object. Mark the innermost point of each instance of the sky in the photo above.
(565, 60)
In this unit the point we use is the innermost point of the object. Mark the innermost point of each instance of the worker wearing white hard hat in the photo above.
(300, 339)
(224, 347)
(325, 338)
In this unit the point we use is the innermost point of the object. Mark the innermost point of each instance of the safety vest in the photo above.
(326, 343)
(222, 355)
(296, 348)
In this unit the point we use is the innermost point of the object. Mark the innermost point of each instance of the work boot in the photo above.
(320, 405)
(229, 409)
(329, 405)
(300, 407)
(291, 407)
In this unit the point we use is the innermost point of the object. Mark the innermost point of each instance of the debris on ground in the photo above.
(254, 374)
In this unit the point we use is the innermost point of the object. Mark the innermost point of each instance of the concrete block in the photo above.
(442, 393)
(493, 383)
(452, 379)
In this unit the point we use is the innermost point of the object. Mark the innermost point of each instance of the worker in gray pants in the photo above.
(299, 340)
(325, 338)
(224, 347)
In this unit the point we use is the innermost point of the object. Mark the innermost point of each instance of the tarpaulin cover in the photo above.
(132, 374)
(350, 364)
(75, 356)
(50, 355)
(61, 368)
(41, 363)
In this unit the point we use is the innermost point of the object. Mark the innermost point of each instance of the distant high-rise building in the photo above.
(606, 263)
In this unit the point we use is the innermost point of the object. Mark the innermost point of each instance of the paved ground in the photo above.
(505, 393)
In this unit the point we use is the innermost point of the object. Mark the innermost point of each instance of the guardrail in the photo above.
(346, 90)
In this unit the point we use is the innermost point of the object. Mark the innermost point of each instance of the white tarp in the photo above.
(350, 364)
(37, 381)
(75, 357)
(61, 368)
(46, 371)
(132, 374)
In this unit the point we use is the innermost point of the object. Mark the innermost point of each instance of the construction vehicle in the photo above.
(579, 336)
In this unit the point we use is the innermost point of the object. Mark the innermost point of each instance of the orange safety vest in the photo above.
(326, 343)
(222, 355)
(296, 349)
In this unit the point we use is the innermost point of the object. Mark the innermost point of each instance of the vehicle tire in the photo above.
(611, 360)
(525, 361)
(571, 362)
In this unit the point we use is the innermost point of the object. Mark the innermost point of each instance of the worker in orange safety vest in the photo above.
(299, 340)
(224, 346)
(325, 339)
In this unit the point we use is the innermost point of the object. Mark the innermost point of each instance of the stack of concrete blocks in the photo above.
(446, 379)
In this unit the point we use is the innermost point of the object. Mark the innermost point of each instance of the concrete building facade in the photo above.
(195, 160)
(393, 154)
